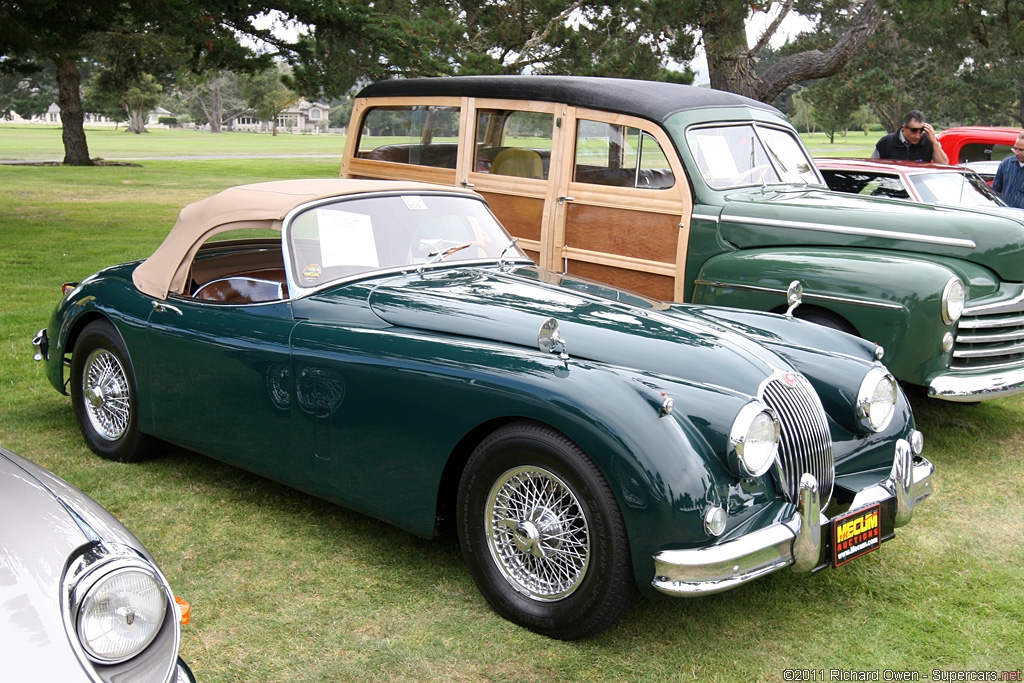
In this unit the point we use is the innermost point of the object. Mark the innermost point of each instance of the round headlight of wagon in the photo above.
(120, 612)
(753, 440)
(953, 297)
(876, 399)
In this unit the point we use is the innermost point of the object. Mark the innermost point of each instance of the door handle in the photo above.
(563, 199)
(161, 307)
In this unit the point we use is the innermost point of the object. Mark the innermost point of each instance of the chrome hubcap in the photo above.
(537, 533)
(105, 388)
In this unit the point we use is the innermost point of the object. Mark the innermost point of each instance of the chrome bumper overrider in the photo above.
(41, 344)
(972, 388)
(796, 542)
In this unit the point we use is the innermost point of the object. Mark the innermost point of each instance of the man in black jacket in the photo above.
(914, 141)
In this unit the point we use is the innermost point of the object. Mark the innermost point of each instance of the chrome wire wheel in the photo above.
(537, 533)
(107, 400)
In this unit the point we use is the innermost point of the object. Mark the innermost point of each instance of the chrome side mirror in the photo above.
(794, 296)
(549, 341)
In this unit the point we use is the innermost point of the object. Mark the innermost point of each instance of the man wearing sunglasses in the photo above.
(1009, 182)
(914, 141)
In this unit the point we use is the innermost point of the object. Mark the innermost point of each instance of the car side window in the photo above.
(513, 143)
(239, 267)
(620, 156)
(418, 135)
(984, 151)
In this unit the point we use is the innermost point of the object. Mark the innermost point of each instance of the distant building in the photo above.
(52, 116)
(301, 117)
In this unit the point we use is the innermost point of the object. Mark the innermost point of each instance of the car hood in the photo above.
(813, 216)
(38, 533)
(639, 334)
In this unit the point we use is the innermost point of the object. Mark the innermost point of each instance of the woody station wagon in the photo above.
(691, 194)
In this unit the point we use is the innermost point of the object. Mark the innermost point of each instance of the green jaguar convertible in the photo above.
(387, 346)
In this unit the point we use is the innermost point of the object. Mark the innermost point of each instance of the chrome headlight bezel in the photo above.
(954, 298)
(876, 400)
(125, 590)
(750, 453)
(153, 625)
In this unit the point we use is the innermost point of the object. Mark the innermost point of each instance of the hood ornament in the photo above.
(549, 341)
(794, 297)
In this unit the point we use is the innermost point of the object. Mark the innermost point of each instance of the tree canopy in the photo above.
(886, 53)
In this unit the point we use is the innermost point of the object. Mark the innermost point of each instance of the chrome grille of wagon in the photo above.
(805, 443)
(989, 341)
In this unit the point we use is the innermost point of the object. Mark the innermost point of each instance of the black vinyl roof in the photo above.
(652, 100)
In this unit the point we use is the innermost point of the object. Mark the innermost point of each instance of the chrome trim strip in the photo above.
(849, 230)
(796, 542)
(819, 297)
(704, 217)
(989, 322)
(988, 352)
(970, 388)
(978, 367)
(1014, 305)
(989, 338)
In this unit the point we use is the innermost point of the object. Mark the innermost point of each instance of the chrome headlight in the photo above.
(120, 609)
(876, 399)
(953, 297)
(753, 440)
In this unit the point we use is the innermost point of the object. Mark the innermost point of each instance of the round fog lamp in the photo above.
(714, 521)
(947, 342)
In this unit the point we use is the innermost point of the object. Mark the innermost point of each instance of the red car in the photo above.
(912, 180)
(977, 143)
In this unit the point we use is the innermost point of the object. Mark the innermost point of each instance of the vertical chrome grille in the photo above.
(805, 443)
(989, 341)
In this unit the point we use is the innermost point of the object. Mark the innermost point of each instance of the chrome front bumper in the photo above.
(971, 388)
(796, 542)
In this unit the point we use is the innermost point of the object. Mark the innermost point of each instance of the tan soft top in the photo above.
(259, 205)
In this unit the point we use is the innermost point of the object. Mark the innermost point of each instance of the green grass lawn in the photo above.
(285, 587)
(24, 142)
(43, 143)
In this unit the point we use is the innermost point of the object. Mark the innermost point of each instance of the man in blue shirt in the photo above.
(915, 141)
(1009, 182)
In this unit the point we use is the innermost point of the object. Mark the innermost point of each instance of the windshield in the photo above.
(750, 154)
(347, 237)
(955, 189)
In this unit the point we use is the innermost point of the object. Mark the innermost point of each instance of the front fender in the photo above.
(892, 299)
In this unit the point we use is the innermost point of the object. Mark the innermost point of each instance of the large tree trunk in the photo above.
(216, 115)
(69, 99)
(136, 120)
(731, 62)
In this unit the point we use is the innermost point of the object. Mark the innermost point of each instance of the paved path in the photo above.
(216, 157)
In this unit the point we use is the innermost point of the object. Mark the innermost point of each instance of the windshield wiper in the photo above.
(438, 256)
(501, 259)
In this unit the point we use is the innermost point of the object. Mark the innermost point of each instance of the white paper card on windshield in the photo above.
(717, 156)
(414, 203)
(346, 239)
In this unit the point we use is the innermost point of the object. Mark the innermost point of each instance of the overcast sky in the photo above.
(791, 25)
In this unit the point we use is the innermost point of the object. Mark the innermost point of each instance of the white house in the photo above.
(301, 117)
